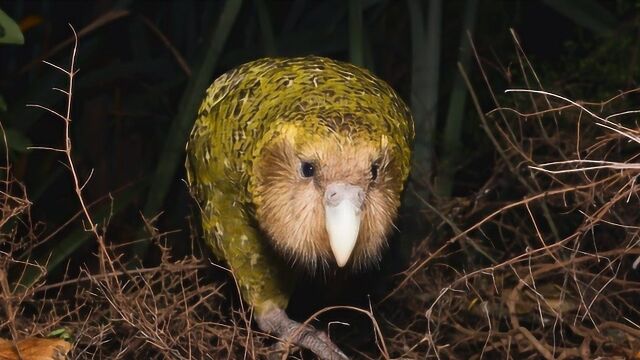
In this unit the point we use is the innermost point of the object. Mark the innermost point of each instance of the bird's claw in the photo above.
(309, 338)
(305, 336)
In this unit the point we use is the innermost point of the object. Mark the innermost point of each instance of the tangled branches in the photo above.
(550, 250)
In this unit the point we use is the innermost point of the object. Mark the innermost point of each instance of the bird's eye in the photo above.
(374, 171)
(307, 169)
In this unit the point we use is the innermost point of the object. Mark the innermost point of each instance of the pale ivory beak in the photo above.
(342, 208)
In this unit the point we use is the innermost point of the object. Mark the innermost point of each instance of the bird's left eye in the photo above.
(307, 169)
(374, 171)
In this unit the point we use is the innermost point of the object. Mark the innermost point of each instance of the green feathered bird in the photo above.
(297, 163)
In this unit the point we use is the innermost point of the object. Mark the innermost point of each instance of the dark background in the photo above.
(145, 64)
(131, 98)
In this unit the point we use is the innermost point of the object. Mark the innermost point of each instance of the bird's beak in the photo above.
(342, 208)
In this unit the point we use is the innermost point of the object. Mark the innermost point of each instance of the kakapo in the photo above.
(297, 163)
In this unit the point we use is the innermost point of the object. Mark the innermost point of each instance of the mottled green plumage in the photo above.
(244, 111)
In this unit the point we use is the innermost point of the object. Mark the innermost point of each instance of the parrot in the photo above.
(297, 166)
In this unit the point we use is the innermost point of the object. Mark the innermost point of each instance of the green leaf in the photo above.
(9, 31)
(61, 333)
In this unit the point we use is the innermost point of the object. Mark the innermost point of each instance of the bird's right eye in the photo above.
(307, 169)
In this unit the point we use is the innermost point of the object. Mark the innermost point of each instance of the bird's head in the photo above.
(327, 190)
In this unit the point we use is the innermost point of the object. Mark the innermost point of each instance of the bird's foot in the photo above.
(276, 321)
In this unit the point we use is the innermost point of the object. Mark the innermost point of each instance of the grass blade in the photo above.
(452, 137)
(266, 28)
(356, 42)
(587, 13)
(78, 237)
(172, 153)
(9, 31)
(425, 78)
